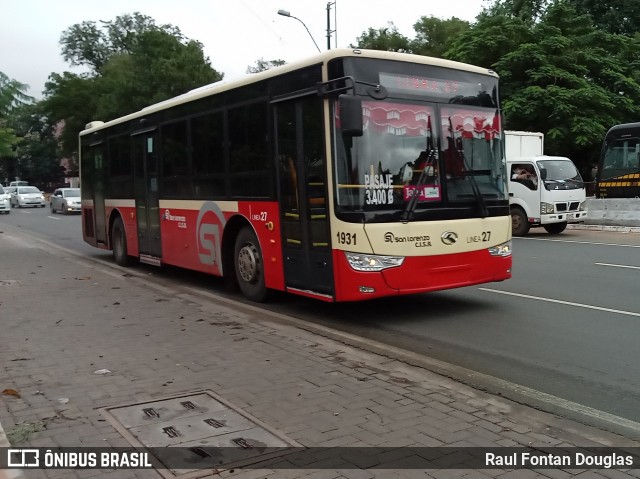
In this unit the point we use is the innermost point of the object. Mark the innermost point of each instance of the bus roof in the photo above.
(224, 85)
(624, 128)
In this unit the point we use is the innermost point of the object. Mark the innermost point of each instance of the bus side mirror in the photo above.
(351, 115)
(543, 174)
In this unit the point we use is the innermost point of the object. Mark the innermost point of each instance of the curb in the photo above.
(612, 228)
(8, 473)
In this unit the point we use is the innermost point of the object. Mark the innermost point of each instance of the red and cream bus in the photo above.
(353, 175)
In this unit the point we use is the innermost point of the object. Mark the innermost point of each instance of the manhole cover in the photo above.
(197, 433)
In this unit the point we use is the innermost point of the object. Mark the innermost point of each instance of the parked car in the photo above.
(5, 201)
(19, 183)
(27, 196)
(65, 200)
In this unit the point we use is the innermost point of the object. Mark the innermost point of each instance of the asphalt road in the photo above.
(567, 324)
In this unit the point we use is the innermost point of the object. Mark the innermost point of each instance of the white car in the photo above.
(27, 196)
(5, 201)
(65, 200)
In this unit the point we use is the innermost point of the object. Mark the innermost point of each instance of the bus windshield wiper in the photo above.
(428, 166)
(482, 206)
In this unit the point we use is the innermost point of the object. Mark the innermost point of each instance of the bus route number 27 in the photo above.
(346, 238)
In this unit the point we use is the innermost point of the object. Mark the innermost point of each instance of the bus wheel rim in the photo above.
(247, 263)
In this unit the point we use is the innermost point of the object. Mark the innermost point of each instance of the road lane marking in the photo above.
(558, 301)
(582, 242)
(53, 217)
(618, 265)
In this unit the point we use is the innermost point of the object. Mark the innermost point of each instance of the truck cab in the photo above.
(545, 191)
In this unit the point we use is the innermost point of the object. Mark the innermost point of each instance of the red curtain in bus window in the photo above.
(466, 124)
(396, 118)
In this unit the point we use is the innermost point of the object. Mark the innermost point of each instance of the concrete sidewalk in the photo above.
(80, 341)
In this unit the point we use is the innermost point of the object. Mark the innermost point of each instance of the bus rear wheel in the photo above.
(555, 228)
(119, 242)
(519, 222)
(249, 265)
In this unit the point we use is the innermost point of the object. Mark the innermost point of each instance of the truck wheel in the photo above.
(249, 265)
(119, 239)
(555, 228)
(519, 222)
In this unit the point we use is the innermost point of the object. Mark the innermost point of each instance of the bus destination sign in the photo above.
(429, 86)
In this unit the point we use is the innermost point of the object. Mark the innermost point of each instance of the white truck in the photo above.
(545, 191)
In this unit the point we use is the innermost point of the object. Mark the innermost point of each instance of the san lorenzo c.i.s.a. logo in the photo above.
(419, 241)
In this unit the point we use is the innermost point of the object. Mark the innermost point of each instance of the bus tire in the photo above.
(519, 222)
(555, 228)
(119, 242)
(249, 265)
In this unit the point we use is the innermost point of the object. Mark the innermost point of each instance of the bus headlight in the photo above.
(372, 262)
(546, 208)
(503, 249)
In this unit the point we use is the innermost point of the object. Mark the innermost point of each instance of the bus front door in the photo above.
(146, 197)
(304, 209)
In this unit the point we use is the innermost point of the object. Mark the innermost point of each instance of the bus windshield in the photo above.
(621, 156)
(446, 155)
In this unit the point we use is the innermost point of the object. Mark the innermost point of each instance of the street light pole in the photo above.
(285, 13)
(329, 31)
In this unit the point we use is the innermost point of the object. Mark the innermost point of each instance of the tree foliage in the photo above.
(37, 156)
(12, 96)
(92, 44)
(72, 99)
(491, 38)
(133, 63)
(613, 16)
(568, 83)
(528, 11)
(434, 36)
(387, 39)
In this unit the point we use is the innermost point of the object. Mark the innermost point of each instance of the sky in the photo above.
(234, 33)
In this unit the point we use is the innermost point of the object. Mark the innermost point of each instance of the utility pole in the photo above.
(329, 31)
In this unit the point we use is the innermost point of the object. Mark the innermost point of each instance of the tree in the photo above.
(12, 96)
(88, 44)
(528, 11)
(133, 63)
(262, 65)
(37, 157)
(567, 84)
(435, 36)
(158, 67)
(613, 16)
(489, 39)
(73, 99)
(386, 39)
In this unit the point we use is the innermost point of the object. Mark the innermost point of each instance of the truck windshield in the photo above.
(446, 156)
(561, 171)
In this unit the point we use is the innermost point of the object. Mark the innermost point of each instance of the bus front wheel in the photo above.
(119, 242)
(249, 265)
(555, 228)
(519, 222)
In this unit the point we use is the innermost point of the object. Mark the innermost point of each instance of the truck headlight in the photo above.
(372, 262)
(583, 206)
(546, 208)
(503, 249)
